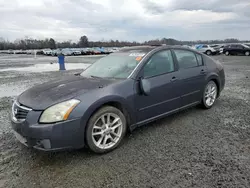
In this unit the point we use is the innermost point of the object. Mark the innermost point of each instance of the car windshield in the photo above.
(118, 65)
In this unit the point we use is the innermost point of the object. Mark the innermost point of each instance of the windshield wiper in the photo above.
(95, 76)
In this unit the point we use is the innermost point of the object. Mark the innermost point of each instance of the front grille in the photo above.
(19, 111)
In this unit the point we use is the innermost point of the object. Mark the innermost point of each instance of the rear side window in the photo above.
(199, 59)
(240, 46)
(186, 59)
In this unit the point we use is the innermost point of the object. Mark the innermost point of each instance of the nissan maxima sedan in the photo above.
(118, 93)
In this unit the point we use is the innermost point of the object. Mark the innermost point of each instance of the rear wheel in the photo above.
(209, 95)
(247, 53)
(227, 53)
(105, 129)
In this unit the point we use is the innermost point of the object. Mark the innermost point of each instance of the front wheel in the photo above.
(105, 129)
(227, 53)
(209, 95)
(209, 52)
(247, 53)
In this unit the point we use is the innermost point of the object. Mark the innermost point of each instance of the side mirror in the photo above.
(145, 86)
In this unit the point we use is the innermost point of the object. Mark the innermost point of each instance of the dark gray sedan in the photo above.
(118, 93)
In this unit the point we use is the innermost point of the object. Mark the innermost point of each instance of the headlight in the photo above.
(58, 112)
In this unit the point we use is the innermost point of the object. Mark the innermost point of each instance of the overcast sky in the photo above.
(125, 19)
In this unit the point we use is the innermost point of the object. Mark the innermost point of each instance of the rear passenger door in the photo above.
(192, 76)
(240, 49)
(233, 49)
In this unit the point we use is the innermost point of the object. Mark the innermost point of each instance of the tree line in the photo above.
(29, 43)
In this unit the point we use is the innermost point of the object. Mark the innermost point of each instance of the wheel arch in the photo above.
(118, 103)
(215, 78)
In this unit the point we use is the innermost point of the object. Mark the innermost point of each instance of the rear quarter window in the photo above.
(199, 59)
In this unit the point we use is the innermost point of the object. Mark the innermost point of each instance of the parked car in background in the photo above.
(187, 46)
(56, 52)
(28, 52)
(67, 52)
(236, 49)
(97, 51)
(47, 51)
(218, 48)
(76, 52)
(112, 50)
(221, 49)
(117, 93)
(83, 51)
(10, 51)
(89, 51)
(20, 52)
(204, 48)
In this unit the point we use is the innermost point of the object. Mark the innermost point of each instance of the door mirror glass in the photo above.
(145, 86)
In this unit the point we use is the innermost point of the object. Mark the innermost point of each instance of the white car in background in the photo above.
(47, 51)
(206, 49)
(67, 51)
(76, 52)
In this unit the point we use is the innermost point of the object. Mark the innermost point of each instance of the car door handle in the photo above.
(173, 79)
(203, 71)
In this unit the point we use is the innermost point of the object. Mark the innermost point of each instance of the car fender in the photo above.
(89, 109)
(213, 76)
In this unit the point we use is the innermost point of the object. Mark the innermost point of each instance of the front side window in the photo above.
(160, 63)
(186, 59)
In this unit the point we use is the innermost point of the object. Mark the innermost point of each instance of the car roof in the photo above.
(147, 49)
(144, 49)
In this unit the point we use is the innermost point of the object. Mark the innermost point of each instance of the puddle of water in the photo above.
(47, 67)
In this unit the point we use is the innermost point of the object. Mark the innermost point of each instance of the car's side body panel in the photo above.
(120, 92)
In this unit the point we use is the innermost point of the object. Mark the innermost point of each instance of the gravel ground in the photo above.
(193, 148)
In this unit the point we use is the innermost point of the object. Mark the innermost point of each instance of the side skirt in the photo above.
(134, 126)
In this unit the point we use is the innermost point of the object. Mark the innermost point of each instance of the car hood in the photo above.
(44, 95)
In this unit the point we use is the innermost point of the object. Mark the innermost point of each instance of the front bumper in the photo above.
(49, 137)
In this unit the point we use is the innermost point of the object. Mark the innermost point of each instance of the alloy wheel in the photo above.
(107, 130)
(210, 94)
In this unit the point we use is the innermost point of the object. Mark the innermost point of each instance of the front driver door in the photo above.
(162, 76)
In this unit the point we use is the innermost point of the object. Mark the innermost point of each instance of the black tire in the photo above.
(203, 101)
(247, 53)
(91, 123)
(209, 52)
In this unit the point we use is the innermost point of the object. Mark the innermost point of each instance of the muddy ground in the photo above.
(194, 148)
